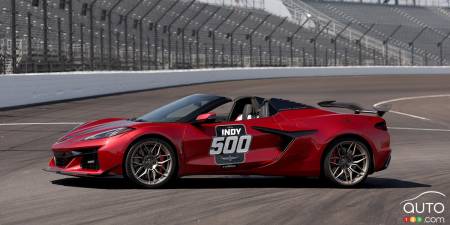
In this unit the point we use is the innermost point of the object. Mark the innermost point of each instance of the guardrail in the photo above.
(28, 89)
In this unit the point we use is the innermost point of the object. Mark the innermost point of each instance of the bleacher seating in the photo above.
(412, 20)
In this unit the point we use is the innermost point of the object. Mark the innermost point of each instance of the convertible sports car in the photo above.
(258, 136)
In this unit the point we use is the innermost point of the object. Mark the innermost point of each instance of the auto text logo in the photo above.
(428, 207)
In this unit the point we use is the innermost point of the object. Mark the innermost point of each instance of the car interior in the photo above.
(252, 107)
(246, 108)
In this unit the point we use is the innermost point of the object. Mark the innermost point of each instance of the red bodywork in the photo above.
(269, 154)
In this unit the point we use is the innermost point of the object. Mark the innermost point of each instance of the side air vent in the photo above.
(286, 136)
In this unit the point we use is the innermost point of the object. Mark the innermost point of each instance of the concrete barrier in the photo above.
(26, 89)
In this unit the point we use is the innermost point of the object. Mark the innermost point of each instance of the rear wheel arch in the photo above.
(329, 145)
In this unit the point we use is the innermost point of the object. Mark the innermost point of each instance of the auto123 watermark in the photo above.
(427, 207)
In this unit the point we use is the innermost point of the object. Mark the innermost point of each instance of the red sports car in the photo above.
(256, 135)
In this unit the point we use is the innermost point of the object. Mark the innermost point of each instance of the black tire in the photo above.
(337, 159)
(142, 160)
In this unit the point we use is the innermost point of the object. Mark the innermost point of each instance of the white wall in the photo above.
(24, 89)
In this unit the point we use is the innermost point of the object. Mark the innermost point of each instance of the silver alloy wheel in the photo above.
(349, 162)
(151, 162)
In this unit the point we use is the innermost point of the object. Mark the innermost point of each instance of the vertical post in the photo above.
(141, 48)
(242, 55)
(149, 63)
(315, 52)
(176, 53)
(232, 39)
(292, 37)
(441, 51)
(197, 49)
(126, 41)
(163, 57)
(186, 24)
(13, 36)
(169, 46)
(260, 56)
(326, 57)
(102, 48)
(110, 34)
(119, 64)
(386, 54)
(411, 44)
(134, 52)
(70, 34)
(29, 43)
(183, 49)
(190, 54)
(250, 36)
(270, 51)
(91, 34)
(126, 31)
(291, 52)
(304, 56)
(269, 38)
(156, 41)
(314, 41)
(214, 50)
(197, 32)
(386, 42)
(214, 36)
(223, 55)
(345, 56)
(374, 56)
(45, 31)
(280, 55)
(169, 26)
(360, 44)
(206, 56)
(82, 45)
(251, 51)
(335, 39)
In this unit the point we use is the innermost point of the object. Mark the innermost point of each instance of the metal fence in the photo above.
(69, 35)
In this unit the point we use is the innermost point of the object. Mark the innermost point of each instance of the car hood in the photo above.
(95, 127)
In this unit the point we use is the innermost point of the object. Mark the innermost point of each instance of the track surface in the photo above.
(420, 163)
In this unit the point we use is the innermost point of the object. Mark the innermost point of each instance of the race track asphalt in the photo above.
(421, 162)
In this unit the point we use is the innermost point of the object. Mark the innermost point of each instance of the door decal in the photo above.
(230, 144)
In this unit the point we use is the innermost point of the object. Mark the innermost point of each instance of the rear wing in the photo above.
(380, 110)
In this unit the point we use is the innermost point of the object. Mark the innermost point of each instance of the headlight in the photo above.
(109, 133)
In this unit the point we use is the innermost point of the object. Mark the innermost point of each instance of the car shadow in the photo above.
(237, 182)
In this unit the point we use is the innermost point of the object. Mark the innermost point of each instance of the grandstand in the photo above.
(67, 35)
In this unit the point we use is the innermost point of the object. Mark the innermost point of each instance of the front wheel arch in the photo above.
(146, 136)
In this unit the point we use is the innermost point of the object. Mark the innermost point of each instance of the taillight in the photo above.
(381, 126)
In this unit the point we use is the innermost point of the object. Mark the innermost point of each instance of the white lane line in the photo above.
(26, 124)
(418, 129)
(411, 98)
(410, 115)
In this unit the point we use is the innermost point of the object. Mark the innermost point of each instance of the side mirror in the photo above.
(206, 118)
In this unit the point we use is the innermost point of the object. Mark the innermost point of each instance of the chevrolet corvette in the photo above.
(251, 136)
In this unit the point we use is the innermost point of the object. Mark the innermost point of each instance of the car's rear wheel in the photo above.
(151, 163)
(347, 162)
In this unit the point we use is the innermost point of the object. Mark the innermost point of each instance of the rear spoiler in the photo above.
(380, 110)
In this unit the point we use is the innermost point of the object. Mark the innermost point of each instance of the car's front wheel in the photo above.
(347, 162)
(150, 163)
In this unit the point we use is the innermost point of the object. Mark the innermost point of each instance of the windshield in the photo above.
(178, 109)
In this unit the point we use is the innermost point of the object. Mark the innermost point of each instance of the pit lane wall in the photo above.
(28, 89)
